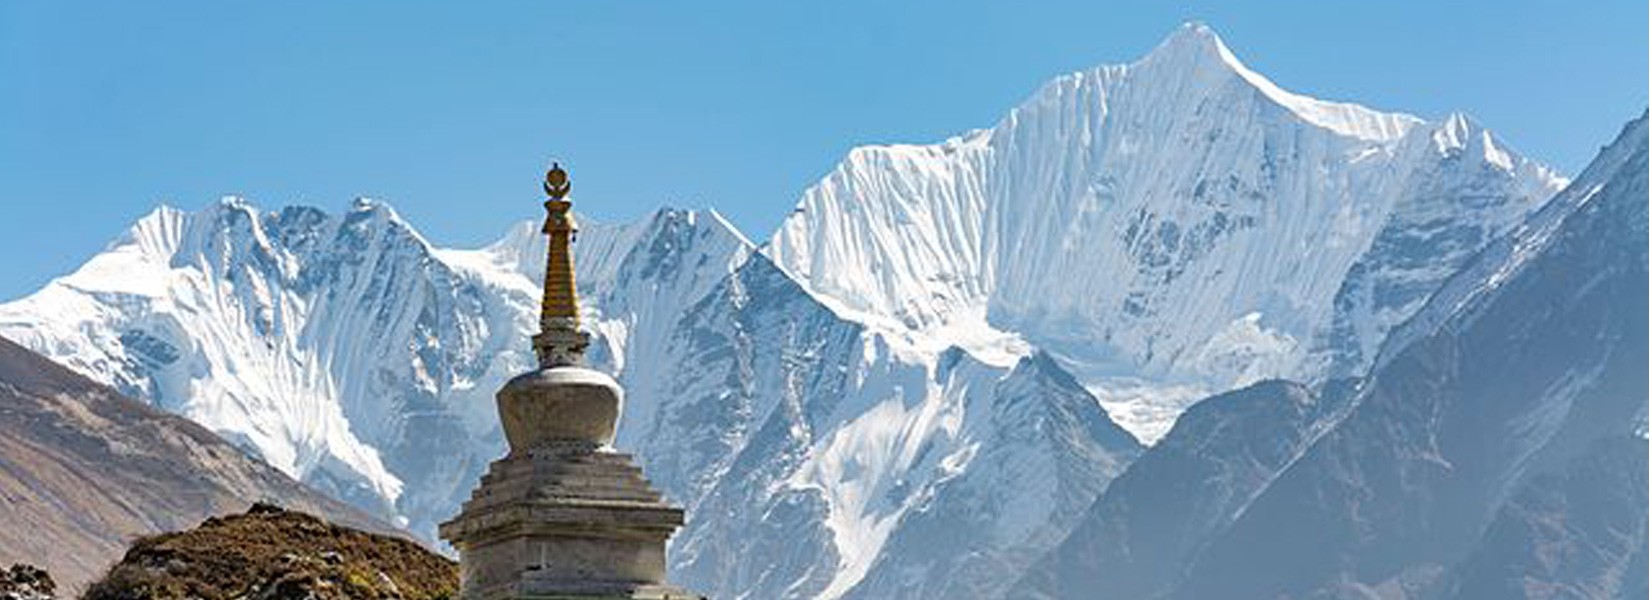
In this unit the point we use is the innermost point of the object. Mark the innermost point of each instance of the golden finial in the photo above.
(559, 342)
(556, 185)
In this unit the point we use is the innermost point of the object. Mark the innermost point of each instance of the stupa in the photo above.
(563, 516)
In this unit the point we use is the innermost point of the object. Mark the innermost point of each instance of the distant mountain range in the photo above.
(956, 370)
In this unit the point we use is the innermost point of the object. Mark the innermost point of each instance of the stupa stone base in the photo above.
(595, 592)
(564, 520)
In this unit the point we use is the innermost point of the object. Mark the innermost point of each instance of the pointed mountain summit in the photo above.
(1179, 220)
(1196, 53)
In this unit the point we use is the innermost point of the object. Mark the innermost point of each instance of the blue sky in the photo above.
(449, 111)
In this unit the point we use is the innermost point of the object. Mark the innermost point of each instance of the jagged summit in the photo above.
(342, 347)
(1150, 222)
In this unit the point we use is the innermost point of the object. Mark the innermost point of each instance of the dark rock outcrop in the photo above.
(1519, 366)
(1578, 532)
(26, 582)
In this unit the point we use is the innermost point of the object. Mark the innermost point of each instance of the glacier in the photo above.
(917, 385)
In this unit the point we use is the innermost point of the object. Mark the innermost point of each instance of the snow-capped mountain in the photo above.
(1168, 228)
(1496, 451)
(333, 346)
(807, 439)
(343, 349)
(918, 386)
(1530, 359)
(280, 329)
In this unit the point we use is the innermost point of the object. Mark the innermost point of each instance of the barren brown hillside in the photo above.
(85, 471)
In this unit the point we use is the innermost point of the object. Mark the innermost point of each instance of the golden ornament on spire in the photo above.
(556, 185)
(559, 342)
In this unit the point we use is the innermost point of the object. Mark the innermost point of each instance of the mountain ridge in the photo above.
(1090, 220)
(1155, 232)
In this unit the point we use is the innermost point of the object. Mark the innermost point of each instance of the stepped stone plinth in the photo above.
(563, 516)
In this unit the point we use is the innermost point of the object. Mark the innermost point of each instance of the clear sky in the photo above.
(450, 110)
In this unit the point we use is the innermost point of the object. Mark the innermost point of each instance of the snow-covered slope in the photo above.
(1527, 360)
(1512, 395)
(1167, 228)
(344, 349)
(796, 435)
(1039, 450)
(350, 353)
(252, 324)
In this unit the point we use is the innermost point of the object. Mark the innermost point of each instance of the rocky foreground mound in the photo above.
(273, 553)
(26, 582)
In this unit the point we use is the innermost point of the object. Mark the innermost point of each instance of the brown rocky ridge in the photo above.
(270, 553)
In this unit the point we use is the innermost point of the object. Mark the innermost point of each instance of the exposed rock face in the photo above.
(84, 470)
(1496, 451)
(1575, 533)
(814, 442)
(276, 554)
(1134, 542)
(1519, 366)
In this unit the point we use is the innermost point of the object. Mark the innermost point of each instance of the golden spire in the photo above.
(559, 342)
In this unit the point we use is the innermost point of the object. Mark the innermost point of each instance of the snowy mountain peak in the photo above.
(378, 216)
(1196, 51)
(363, 203)
(155, 234)
(1193, 47)
(600, 245)
(1179, 219)
(1192, 36)
(1461, 135)
(248, 322)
